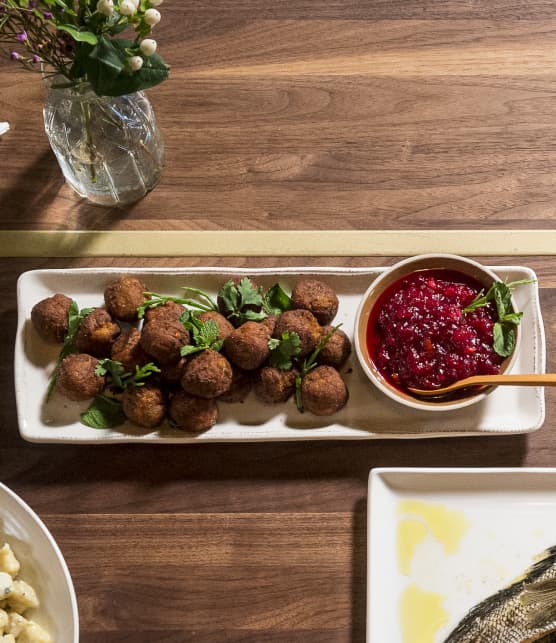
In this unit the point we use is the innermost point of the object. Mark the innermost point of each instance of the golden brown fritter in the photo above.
(144, 405)
(127, 349)
(162, 340)
(336, 350)
(77, 379)
(123, 296)
(50, 318)
(170, 311)
(96, 333)
(273, 386)
(240, 387)
(323, 391)
(224, 326)
(192, 414)
(317, 297)
(207, 374)
(304, 324)
(247, 346)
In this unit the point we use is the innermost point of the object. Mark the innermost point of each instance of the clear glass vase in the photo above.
(109, 147)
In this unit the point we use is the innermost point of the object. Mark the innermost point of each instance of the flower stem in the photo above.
(90, 145)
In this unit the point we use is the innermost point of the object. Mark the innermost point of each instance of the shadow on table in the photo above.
(359, 572)
(22, 204)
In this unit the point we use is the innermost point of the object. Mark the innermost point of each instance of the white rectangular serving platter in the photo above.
(368, 413)
(511, 520)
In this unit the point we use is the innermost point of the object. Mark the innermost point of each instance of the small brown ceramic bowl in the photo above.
(366, 313)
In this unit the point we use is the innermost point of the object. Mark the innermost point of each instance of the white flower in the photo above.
(127, 7)
(155, 3)
(106, 7)
(135, 62)
(148, 46)
(136, 3)
(152, 17)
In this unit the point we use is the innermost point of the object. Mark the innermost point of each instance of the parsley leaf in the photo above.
(309, 364)
(503, 332)
(282, 350)
(103, 413)
(75, 317)
(242, 301)
(276, 300)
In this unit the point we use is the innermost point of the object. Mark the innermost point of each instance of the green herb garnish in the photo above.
(204, 334)
(106, 412)
(103, 413)
(283, 350)
(120, 378)
(204, 302)
(308, 365)
(240, 300)
(75, 317)
(504, 330)
(276, 300)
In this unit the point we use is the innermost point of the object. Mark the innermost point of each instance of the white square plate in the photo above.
(478, 530)
(368, 413)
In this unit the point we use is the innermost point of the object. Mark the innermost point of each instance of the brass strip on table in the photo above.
(273, 243)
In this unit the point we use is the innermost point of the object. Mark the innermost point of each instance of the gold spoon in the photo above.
(518, 379)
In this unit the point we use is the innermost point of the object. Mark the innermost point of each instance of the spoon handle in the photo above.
(517, 379)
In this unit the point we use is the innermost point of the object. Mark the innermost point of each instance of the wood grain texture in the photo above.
(227, 542)
(317, 115)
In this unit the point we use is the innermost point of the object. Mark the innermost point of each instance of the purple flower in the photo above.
(48, 15)
(36, 59)
(21, 36)
(14, 55)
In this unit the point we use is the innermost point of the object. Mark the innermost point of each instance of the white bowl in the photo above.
(42, 566)
(468, 267)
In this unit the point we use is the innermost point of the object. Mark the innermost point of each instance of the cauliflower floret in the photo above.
(6, 585)
(7, 638)
(22, 597)
(15, 623)
(32, 632)
(8, 561)
(3, 621)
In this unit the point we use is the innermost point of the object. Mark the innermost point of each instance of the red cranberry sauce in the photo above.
(419, 336)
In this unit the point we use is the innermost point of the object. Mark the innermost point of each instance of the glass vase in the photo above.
(109, 148)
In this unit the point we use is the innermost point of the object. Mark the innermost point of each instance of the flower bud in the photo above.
(152, 17)
(135, 62)
(155, 3)
(127, 7)
(148, 46)
(106, 7)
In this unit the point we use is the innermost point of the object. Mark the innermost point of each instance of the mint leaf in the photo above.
(203, 334)
(283, 350)
(503, 338)
(118, 377)
(142, 373)
(103, 413)
(503, 332)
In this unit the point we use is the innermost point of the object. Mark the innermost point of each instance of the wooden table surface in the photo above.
(311, 115)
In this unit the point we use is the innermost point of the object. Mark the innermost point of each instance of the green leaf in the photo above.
(502, 298)
(110, 74)
(209, 332)
(504, 338)
(142, 373)
(114, 369)
(80, 36)
(103, 413)
(189, 349)
(242, 302)
(282, 353)
(276, 300)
